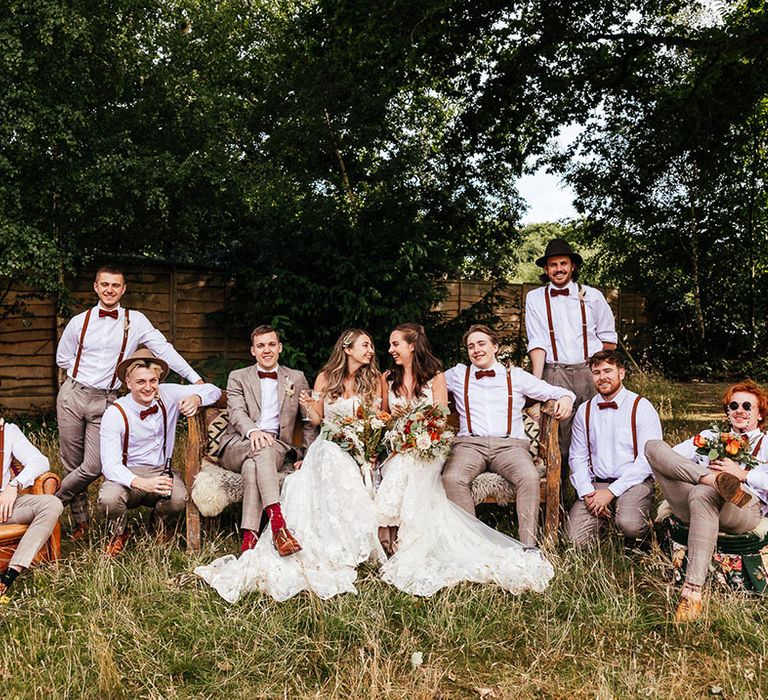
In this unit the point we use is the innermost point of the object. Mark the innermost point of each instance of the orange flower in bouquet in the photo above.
(725, 443)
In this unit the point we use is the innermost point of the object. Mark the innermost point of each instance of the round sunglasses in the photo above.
(734, 405)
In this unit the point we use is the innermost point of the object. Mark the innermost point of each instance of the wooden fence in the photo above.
(188, 306)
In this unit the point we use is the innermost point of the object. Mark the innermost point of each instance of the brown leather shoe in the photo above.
(116, 544)
(285, 543)
(688, 610)
(729, 487)
(80, 532)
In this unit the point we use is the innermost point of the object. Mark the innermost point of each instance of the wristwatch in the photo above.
(15, 482)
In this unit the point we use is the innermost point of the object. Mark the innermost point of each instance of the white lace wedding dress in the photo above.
(331, 514)
(439, 543)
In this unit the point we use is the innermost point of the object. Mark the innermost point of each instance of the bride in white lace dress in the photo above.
(325, 501)
(437, 543)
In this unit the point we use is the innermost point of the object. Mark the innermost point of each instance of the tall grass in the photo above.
(142, 626)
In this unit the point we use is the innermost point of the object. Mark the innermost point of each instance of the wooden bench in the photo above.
(11, 534)
(501, 491)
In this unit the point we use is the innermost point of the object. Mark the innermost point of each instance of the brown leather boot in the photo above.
(80, 532)
(116, 544)
(729, 487)
(688, 610)
(285, 543)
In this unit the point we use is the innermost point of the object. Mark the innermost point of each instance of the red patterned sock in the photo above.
(276, 520)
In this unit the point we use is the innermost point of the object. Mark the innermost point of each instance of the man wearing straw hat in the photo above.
(566, 324)
(137, 437)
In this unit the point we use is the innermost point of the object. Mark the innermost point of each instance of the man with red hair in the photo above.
(714, 495)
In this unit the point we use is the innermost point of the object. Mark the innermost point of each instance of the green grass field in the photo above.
(142, 626)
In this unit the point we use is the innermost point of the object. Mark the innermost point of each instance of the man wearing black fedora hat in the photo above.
(138, 432)
(566, 324)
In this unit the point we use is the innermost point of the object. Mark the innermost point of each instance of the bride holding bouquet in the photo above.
(433, 542)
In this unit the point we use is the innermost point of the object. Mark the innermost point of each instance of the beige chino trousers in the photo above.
(40, 513)
(701, 506)
(79, 409)
(509, 457)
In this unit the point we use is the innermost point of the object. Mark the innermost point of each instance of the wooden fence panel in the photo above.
(188, 306)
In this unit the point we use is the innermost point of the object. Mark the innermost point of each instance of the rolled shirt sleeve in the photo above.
(34, 462)
(151, 337)
(536, 327)
(605, 324)
(539, 389)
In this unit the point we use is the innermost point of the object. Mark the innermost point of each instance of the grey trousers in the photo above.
(78, 411)
(702, 507)
(115, 500)
(40, 513)
(631, 515)
(261, 484)
(509, 457)
(577, 378)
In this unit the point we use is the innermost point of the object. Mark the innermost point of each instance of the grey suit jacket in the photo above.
(244, 405)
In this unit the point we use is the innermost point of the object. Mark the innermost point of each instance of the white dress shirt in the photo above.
(16, 445)
(757, 478)
(269, 419)
(488, 402)
(145, 437)
(566, 322)
(610, 437)
(102, 343)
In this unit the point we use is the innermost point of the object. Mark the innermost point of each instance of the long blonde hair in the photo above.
(335, 371)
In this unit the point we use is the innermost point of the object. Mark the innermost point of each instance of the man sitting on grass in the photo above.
(714, 495)
(138, 433)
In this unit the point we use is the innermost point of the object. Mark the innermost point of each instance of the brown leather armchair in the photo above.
(10, 535)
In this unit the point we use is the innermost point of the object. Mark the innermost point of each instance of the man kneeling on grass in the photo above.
(608, 466)
(716, 494)
(138, 433)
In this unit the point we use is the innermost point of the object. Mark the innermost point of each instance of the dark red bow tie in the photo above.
(602, 405)
(267, 375)
(559, 292)
(111, 314)
(485, 373)
(148, 411)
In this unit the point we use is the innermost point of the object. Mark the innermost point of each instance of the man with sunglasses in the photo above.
(714, 495)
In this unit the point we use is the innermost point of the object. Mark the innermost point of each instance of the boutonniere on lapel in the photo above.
(290, 389)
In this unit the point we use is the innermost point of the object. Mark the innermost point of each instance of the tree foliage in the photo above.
(341, 158)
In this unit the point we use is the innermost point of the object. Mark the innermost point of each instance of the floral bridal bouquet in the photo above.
(725, 443)
(423, 433)
(361, 435)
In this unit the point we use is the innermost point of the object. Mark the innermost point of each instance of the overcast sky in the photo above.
(547, 199)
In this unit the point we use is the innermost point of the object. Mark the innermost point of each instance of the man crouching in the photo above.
(138, 433)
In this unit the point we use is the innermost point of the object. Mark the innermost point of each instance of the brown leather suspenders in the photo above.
(634, 425)
(80, 346)
(126, 326)
(634, 429)
(125, 434)
(552, 340)
(509, 401)
(127, 430)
